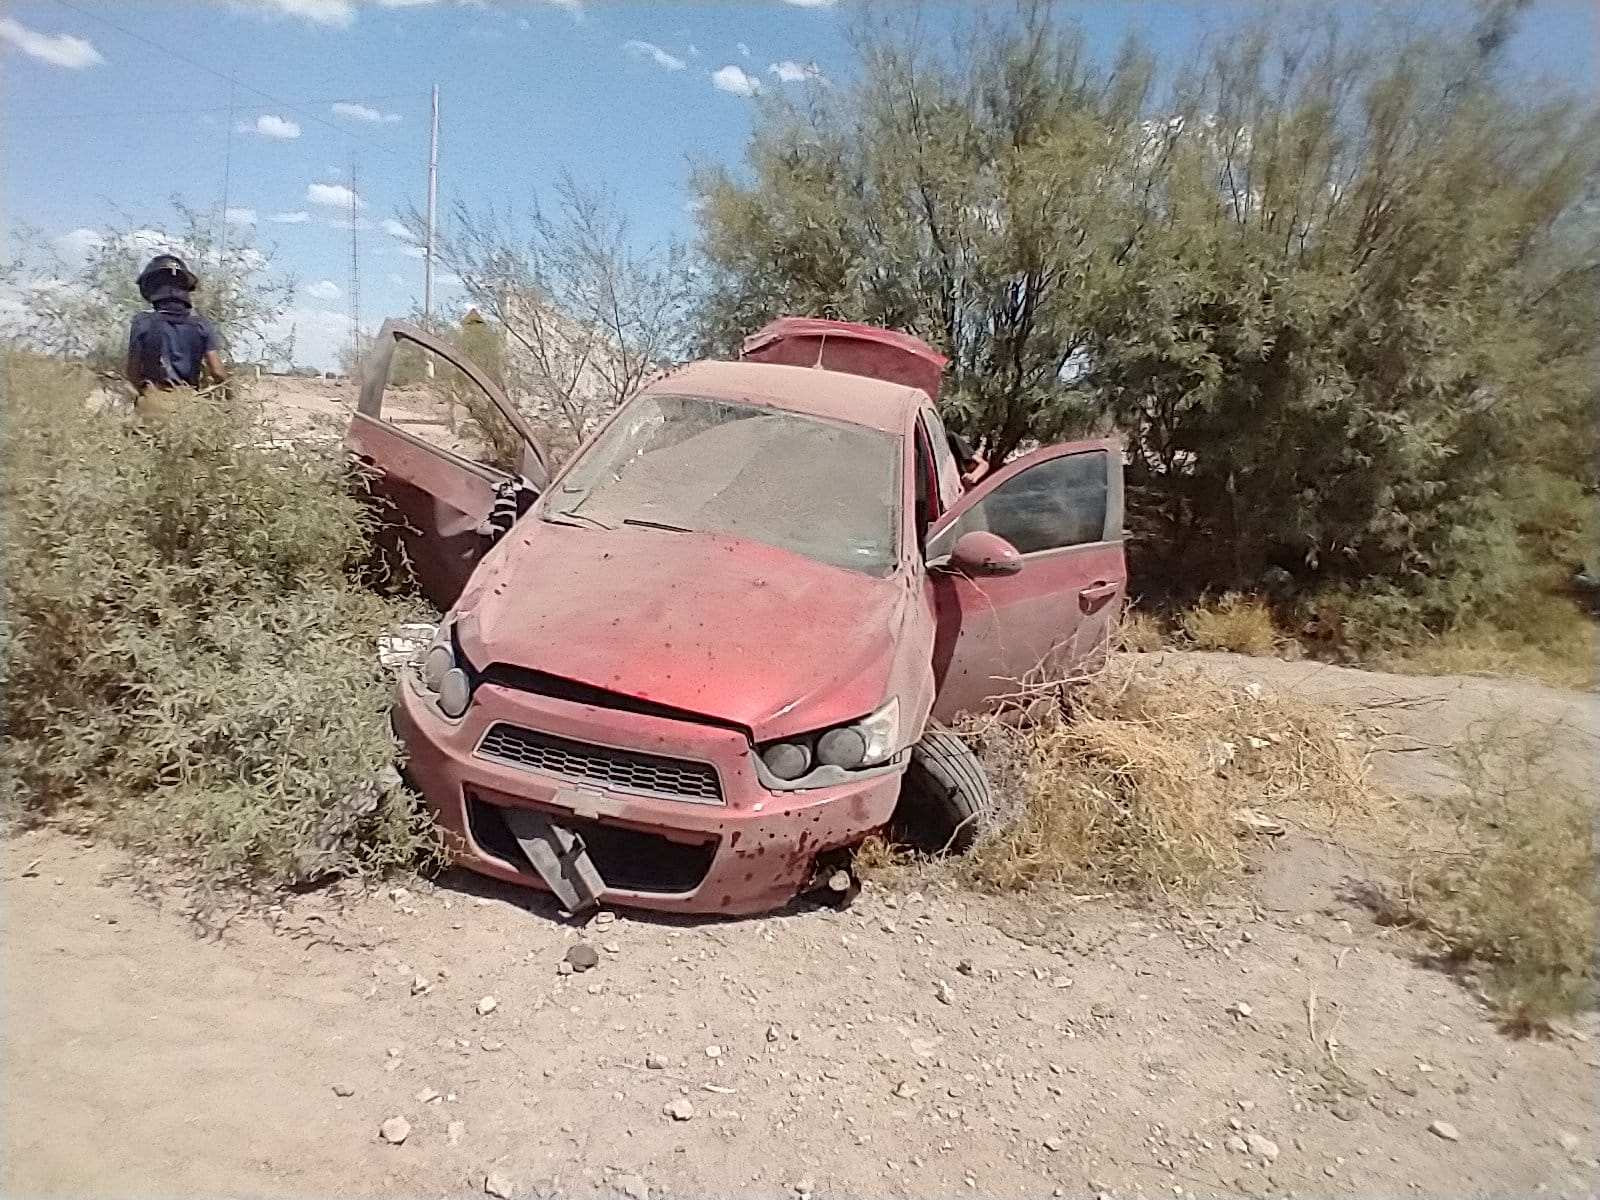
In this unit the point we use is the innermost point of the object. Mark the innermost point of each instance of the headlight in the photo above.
(438, 663)
(455, 693)
(439, 660)
(787, 760)
(442, 677)
(869, 742)
(881, 732)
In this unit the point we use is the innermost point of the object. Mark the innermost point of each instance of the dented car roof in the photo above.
(813, 391)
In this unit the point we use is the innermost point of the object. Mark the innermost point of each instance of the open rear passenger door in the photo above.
(1061, 508)
(438, 491)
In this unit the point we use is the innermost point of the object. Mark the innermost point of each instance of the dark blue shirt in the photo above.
(169, 344)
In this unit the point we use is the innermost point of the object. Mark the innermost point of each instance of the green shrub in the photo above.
(188, 659)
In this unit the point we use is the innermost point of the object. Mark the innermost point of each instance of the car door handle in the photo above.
(1096, 594)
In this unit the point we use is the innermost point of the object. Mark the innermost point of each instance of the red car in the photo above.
(698, 665)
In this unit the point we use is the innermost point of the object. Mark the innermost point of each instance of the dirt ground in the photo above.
(933, 1043)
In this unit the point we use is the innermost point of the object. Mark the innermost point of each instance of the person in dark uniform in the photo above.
(974, 466)
(169, 345)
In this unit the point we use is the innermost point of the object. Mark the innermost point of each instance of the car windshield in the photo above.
(826, 489)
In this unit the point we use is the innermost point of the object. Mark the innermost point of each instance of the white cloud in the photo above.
(319, 334)
(77, 243)
(361, 112)
(735, 80)
(240, 216)
(414, 251)
(318, 12)
(447, 279)
(396, 229)
(332, 195)
(270, 125)
(298, 217)
(343, 12)
(694, 51)
(399, 280)
(574, 8)
(328, 12)
(59, 49)
(743, 50)
(789, 71)
(524, 23)
(655, 54)
(323, 289)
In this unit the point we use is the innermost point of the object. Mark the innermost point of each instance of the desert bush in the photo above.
(1538, 633)
(1513, 888)
(1333, 279)
(1140, 631)
(188, 662)
(1153, 781)
(1234, 623)
(81, 308)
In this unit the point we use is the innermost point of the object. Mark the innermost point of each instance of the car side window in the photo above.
(431, 399)
(945, 465)
(1056, 504)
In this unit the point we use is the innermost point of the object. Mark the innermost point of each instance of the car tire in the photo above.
(944, 796)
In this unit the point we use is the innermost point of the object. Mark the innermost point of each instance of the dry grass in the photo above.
(1234, 623)
(1140, 632)
(1558, 648)
(1145, 785)
(1507, 885)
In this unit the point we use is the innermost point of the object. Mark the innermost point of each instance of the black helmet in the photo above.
(166, 270)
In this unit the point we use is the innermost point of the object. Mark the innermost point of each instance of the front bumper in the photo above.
(751, 853)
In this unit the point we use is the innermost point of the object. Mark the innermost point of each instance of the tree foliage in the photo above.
(585, 315)
(81, 308)
(1335, 286)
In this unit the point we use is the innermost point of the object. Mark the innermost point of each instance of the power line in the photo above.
(124, 113)
(210, 70)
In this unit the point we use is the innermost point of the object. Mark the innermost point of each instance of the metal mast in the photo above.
(433, 196)
(227, 173)
(355, 269)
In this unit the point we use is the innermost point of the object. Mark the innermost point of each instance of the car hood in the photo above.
(709, 624)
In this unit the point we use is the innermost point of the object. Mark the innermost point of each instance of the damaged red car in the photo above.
(694, 668)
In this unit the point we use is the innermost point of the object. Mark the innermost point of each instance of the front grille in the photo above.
(623, 770)
(627, 859)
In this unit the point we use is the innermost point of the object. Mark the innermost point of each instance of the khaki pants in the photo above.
(154, 405)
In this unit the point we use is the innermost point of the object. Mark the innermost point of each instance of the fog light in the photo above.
(455, 692)
(787, 760)
(845, 748)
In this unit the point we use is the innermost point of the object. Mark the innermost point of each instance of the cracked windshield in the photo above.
(824, 489)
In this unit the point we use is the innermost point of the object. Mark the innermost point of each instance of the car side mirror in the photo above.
(978, 553)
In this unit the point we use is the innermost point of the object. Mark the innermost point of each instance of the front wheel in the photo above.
(944, 796)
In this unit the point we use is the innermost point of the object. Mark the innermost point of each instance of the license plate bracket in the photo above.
(560, 857)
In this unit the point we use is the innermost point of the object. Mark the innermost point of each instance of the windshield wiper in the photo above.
(563, 517)
(655, 525)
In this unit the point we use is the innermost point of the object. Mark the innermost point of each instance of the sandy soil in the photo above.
(932, 1043)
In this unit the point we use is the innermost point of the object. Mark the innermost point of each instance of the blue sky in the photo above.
(619, 93)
